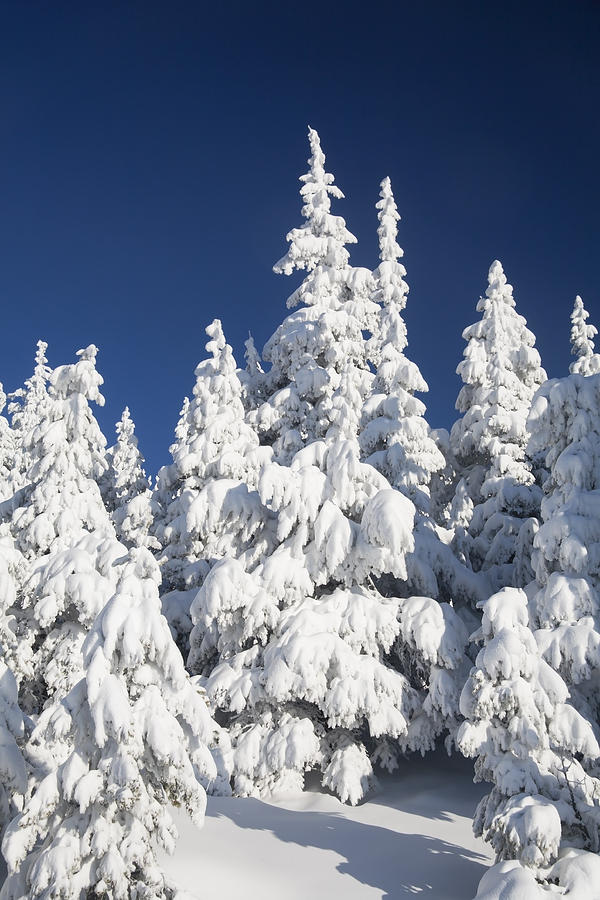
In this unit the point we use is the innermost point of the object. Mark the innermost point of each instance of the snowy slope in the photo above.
(412, 838)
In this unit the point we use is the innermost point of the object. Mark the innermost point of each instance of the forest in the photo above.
(317, 582)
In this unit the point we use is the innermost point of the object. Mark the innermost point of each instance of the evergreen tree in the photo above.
(565, 425)
(27, 407)
(206, 503)
(531, 744)
(586, 362)
(126, 490)
(60, 524)
(7, 452)
(311, 665)
(501, 372)
(130, 739)
(395, 437)
(319, 362)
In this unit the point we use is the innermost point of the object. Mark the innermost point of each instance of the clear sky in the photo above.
(150, 155)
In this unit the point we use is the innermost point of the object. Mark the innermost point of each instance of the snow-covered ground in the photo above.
(412, 837)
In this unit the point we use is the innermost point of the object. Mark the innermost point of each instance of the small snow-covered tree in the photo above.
(7, 452)
(131, 738)
(126, 489)
(60, 524)
(565, 425)
(586, 361)
(13, 780)
(501, 372)
(206, 505)
(531, 744)
(27, 407)
(395, 438)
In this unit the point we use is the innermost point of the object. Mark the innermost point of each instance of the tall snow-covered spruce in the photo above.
(205, 502)
(497, 500)
(533, 746)
(60, 525)
(565, 426)
(315, 668)
(395, 437)
(131, 738)
(587, 361)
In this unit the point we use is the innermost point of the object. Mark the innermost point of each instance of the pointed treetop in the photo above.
(41, 363)
(498, 288)
(388, 215)
(252, 356)
(321, 239)
(217, 342)
(126, 428)
(587, 362)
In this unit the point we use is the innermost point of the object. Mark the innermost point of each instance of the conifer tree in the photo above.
(565, 425)
(7, 452)
(309, 663)
(60, 524)
(126, 491)
(206, 503)
(532, 745)
(586, 361)
(131, 738)
(395, 437)
(318, 355)
(501, 372)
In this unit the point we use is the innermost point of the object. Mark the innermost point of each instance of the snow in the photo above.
(413, 837)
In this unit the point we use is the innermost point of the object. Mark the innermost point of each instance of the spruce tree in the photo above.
(532, 745)
(130, 739)
(205, 501)
(565, 425)
(586, 361)
(313, 666)
(395, 437)
(60, 525)
(126, 489)
(501, 371)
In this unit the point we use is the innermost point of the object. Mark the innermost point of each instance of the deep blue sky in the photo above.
(150, 154)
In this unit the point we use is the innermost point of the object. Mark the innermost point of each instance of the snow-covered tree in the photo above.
(319, 362)
(586, 361)
(13, 772)
(395, 438)
(60, 524)
(130, 739)
(530, 743)
(126, 489)
(206, 503)
(7, 452)
(565, 425)
(27, 407)
(311, 664)
(501, 371)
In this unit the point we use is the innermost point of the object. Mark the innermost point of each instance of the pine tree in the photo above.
(131, 738)
(532, 745)
(395, 437)
(319, 364)
(7, 452)
(126, 491)
(586, 362)
(501, 372)
(60, 524)
(27, 407)
(311, 665)
(206, 503)
(565, 425)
